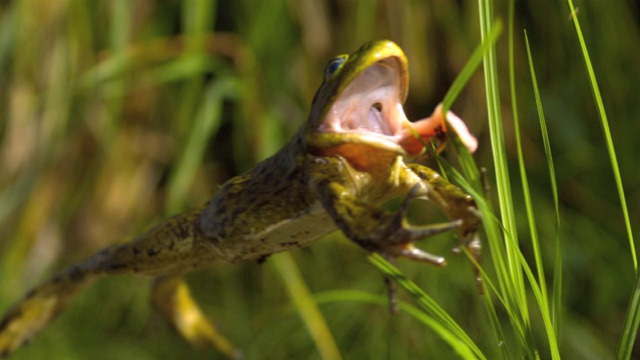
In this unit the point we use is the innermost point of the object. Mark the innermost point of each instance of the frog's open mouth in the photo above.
(371, 104)
(369, 111)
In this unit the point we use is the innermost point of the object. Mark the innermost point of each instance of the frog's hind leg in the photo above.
(168, 248)
(172, 299)
(22, 322)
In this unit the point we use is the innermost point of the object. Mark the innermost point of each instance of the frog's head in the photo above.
(357, 112)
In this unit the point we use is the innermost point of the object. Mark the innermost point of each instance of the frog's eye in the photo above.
(333, 66)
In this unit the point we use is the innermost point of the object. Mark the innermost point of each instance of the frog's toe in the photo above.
(410, 252)
(421, 232)
(409, 233)
(400, 243)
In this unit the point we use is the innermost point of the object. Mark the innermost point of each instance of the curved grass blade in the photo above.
(606, 132)
(205, 126)
(306, 306)
(449, 337)
(429, 306)
(513, 277)
(632, 319)
(557, 277)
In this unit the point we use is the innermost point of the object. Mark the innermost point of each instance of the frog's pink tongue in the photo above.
(428, 128)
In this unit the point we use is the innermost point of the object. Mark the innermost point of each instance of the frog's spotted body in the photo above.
(348, 158)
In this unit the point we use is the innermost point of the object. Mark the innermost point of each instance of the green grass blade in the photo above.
(632, 319)
(535, 242)
(425, 301)
(466, 160)
(198, 17)
(508, 267)
(204, 127)
(513, 279)
(494, 228)
(630, 329)
(557, 277)
(460, 346)
(471, 66)
(306, 306)
(544, 310)
(449, 337)
(606, 131)
(543, 302)
(495, 326)
(521, 166)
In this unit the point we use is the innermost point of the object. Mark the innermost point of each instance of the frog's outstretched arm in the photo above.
(166, 249)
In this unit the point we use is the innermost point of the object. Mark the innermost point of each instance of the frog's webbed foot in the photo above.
(396, 240)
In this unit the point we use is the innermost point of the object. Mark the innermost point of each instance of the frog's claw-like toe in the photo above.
(400, 232)
(398, 238)
(400, 244)
(408, 251)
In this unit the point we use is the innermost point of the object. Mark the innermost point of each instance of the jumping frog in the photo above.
(348, 158)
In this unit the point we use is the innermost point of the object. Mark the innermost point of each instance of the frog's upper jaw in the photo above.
(362, 105)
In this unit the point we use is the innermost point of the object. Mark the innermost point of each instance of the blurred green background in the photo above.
(117, 113)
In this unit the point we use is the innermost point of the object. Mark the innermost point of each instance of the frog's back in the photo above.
(265, 210)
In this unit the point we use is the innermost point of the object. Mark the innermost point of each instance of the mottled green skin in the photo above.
(314, 185)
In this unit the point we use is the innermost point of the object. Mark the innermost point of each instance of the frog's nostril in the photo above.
(377, 106)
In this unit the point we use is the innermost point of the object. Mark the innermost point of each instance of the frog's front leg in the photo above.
(371, 227)
(455, 204)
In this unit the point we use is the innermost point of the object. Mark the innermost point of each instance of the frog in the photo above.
(356, 151)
